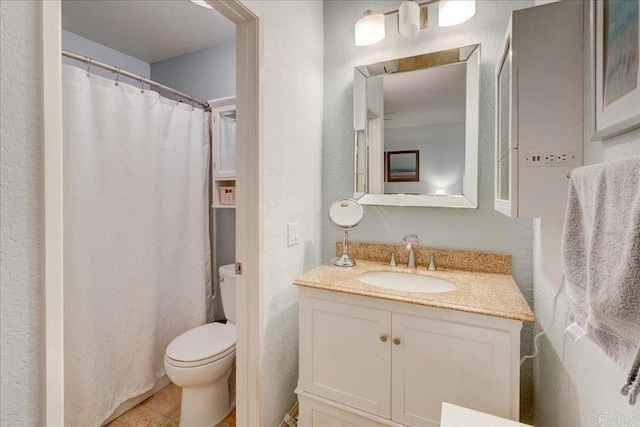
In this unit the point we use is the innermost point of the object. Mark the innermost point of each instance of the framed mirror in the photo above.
(416, 130)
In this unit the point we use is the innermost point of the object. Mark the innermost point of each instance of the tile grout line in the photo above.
(171, 421)
(155, 410)
(158, 412)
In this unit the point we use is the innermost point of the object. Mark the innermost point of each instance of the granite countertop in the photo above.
(491, 294)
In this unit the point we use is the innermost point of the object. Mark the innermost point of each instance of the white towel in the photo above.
(601, 257)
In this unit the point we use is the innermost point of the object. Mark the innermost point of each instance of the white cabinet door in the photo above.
(506, 148)
(224, 140)
(345, 354)
(539, 124)
(435, 361)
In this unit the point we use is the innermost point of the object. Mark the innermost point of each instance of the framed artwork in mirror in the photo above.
(614, 64)
(403, 166)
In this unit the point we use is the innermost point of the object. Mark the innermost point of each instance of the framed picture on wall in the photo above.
(614, 56)
(403, 166)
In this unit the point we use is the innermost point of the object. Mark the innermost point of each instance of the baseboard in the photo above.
(125, 406)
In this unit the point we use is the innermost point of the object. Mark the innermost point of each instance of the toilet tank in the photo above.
(228, 290)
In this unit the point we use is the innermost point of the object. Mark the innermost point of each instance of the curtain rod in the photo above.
(91, 62)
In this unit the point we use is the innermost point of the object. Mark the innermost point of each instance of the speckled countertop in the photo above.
(490, 294)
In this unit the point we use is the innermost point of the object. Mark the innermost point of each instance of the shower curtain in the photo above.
(136, 251)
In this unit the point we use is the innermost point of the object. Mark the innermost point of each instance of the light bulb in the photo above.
(369, 29)
(454, 12)
(409, 18)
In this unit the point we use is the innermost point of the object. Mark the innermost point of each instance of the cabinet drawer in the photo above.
(314, 413)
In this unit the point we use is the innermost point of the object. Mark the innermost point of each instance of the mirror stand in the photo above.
(345, 260)
(345, 214)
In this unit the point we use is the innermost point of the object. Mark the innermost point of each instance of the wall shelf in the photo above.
(223, 156)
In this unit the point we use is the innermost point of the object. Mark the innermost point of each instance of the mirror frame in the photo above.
(469, 197)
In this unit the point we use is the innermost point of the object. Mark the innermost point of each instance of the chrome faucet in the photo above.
(410, 241)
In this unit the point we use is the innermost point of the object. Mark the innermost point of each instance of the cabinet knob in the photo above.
(396, 341)
(383, 338)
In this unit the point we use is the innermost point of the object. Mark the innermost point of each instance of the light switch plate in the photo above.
(292, 234)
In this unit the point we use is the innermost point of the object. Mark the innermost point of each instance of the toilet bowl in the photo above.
(201, 361)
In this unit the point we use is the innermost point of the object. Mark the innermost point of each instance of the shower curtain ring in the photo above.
(117, 76)
(88, 61)
(141, 84)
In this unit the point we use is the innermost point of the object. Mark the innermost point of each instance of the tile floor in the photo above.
(160, 410)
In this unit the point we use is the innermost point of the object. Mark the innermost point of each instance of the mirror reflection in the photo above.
(416, 127)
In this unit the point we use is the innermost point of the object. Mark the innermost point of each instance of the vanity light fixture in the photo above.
(412, 17)
(409, 18)
(454, 12)
(369, 28)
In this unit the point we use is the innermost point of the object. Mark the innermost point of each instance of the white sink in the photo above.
(407, 282)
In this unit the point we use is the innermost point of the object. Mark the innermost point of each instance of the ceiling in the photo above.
(148, 30)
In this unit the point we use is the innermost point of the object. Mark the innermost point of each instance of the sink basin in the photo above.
(407, 282)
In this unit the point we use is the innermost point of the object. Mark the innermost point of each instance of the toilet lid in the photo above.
(203, 342)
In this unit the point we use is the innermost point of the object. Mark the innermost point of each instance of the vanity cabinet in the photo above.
(368, 361)
(539, 110)
(223, 155)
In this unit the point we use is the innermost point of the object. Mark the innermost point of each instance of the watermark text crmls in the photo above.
(614, 420)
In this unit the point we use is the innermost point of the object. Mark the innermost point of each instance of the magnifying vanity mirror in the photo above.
(345, 214)
(416, 130)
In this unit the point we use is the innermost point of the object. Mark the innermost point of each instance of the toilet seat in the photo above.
(195, 364)
(202, 345)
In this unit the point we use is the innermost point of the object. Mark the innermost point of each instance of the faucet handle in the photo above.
(432, 265)
(410, 241)
(392, 261)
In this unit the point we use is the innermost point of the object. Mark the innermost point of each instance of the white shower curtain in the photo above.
(136, 246)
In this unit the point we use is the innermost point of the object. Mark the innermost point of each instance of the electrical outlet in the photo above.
(550, 158)
(292, 234)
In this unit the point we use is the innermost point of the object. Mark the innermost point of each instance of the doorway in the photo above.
(248, 240)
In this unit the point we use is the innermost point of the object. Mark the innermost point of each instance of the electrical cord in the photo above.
(553, 320)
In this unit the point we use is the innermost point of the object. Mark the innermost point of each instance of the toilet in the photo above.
(202, 360)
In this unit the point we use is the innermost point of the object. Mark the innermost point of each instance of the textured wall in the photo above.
(101, 53)
(21, 328)
(291, 74)
(482, 228)
(207, 74)
(575, 383)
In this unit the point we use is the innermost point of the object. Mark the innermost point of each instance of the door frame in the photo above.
(249, 211)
